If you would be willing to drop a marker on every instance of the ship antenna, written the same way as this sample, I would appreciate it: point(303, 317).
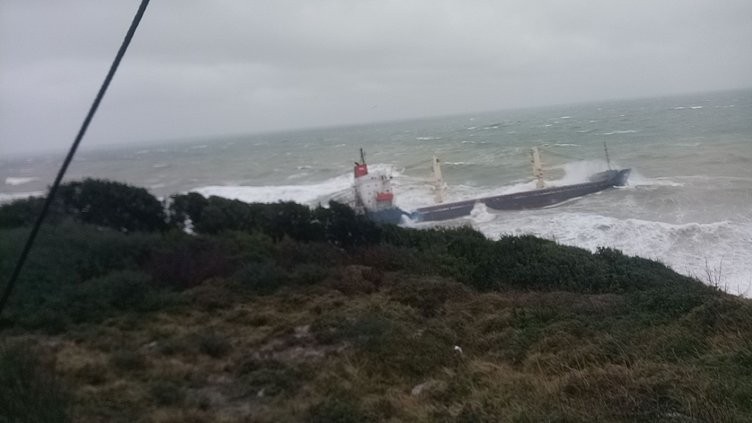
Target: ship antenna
point(537, 167)
point(438, 180)
point(608, 160)
point(362, 156)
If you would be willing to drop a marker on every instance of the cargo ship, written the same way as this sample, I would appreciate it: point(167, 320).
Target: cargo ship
point(375, 198)
point(373, 194)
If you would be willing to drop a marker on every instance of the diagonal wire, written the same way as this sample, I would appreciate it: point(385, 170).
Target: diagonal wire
point(71, 153)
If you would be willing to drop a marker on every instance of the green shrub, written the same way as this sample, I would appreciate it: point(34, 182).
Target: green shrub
point(261, 278)
point(344, 228)
point(186, 206)
point(112, 204)
point(29, 390)
point(309, 274)
point(23, 212)
point(103, 297)
point(64, 260)
point(185, 261)
point(289, 253)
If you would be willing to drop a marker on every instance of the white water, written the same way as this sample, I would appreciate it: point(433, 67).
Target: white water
point(19, 180)
point(7, 198)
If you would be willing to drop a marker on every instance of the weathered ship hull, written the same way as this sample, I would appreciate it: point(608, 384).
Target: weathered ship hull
point(391, 215)
point(524, 200)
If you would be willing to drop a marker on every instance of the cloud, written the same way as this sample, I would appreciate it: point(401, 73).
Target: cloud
point(200, 68)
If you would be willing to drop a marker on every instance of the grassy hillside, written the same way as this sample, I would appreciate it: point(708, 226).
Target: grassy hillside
point(282, 313)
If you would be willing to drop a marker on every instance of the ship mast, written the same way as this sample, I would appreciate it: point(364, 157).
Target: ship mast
point(537, 168)
point(608, 160)
point(438, 180)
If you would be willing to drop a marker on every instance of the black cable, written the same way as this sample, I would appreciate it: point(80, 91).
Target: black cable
point(71, 153)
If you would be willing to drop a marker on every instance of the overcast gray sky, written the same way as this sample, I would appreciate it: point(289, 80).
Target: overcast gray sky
point(199, 68)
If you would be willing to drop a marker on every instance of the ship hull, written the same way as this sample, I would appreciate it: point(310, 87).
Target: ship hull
point(524, 200)
point(391, 215)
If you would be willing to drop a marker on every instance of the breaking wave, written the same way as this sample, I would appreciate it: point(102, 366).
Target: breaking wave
point(692, 249)
point(626, 131)
point(19, 180)
point(8, 197)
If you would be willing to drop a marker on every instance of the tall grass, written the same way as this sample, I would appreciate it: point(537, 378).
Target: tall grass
point(29, 389)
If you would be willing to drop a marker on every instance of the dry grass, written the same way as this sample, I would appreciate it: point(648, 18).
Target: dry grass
point(526, 356)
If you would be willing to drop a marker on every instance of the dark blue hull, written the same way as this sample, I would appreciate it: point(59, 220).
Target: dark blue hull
point(524, 200)
point(392, 216)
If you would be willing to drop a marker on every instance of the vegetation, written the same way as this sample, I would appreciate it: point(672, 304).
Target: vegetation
point(279, 312)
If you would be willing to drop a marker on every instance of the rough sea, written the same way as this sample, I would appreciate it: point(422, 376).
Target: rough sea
point(688, 203)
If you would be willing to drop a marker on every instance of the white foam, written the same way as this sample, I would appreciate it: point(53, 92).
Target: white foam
point(427, 138)
point(579, 171)
point(636, 179)
point(19, 180)
point(306, 194)
point(687, 144)
point(297, 175)
point(480, 214)
point(8, 197)
point(626, 131)
point(310, 194)
point(722, 247)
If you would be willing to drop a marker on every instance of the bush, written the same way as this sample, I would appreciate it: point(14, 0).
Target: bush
point(22, 212)
point(186, 206)
point(344, 228)
point(112, 204)
point(55, 283)
point(29, 390)
point(99, 298)
point(337, 224)
point(309, 274)
point(185, 261)
point(261, 278)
